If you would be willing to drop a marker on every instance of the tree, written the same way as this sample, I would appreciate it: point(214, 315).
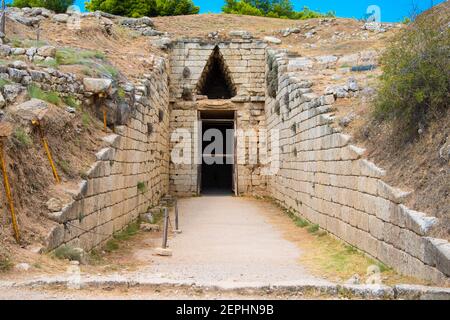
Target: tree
point(269, 8)
point(59, 6)
point(139, 8)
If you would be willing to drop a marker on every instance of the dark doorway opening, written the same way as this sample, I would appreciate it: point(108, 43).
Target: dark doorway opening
point(217, 163)
point(215, 81)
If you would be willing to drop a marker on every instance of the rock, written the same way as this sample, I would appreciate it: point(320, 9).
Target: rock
point(11, 91)
point(327, 61)
point(352, 84)
point(22, 267)
point(54, 205)
point(47, 51)
point(61, 18)
point(355, 279)
point(374, 27)
point(240, 34)
point(31, 52)
point(327, 99)
point(147, 218)
point(300, 64)
point(444, 151)
point(151, 33)
point(5, 50)
point(35, 12)
point(18, 51)
point(16, 75)
point(2, 101)
point(345, 121)
point(97, 85)
point(134, 22)
point(18, 64)
point(147, 227)
point(71, 110)
point(29, 22)
point(272, 40)
point(162, 43)
point(163, 252)
point(31, 109)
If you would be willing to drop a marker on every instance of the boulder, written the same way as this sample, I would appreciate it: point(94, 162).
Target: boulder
point(352, 84)
point(30, 110)
point(272, 40)
point(61, 18)
point(147, 227)
point(22, 267)
point(135, 22)
point(11, 91)
point(47, 51)
point(162, 43)
point(2, 101)
point(97, 85)
point(240, 34)
point(54, 205)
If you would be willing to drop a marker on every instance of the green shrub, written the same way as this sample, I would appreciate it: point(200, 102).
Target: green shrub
point(271, 8)
point(37, 93)
point(141, 187)
point(313, 228)
point(140, 8)
point(415, 84)
point(68, 252)
point(5, 262)
point(22, 137)
point(59, 6)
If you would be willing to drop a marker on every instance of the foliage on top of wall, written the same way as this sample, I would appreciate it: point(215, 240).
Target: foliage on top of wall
point(59, 6)
point(140, 8)
point(271, 8)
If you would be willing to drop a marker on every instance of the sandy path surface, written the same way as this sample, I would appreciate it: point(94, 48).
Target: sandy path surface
point(227, 240)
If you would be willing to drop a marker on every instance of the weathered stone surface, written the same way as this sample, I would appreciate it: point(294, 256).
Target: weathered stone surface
point(54, 205)
point(97, 85)
point(61, 18)
point(29, 110)
point(272, 40)
point(241, 34)
point(47, 51)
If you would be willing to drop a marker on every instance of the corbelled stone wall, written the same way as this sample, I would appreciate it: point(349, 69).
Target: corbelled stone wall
point(324, 178)
point(183, 176)
point(131, 174)
point(244, 59)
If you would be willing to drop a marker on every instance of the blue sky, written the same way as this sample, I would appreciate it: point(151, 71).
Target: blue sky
point(391, 10)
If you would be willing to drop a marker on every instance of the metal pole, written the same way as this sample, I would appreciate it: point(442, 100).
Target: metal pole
point(8, 194)
point(166, 227)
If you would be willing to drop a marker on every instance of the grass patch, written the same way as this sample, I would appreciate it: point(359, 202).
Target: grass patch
point(3, 83)
point(48, 64)
point(313, 228)
point(111, 245)
point(86, 119)
point(37, 93)
point(114, 244)
point(68, 252)
point(69, 56)
point(65, 167)
point(131, 230)
point(95, 62)
point(72, 102)
point(5, 263)
point(22, 138)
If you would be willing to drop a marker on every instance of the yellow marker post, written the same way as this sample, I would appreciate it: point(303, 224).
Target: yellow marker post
point(105, 124)
point(47, 150)
point(5, 130)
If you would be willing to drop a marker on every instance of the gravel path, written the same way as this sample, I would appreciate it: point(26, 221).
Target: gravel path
point(227, 240)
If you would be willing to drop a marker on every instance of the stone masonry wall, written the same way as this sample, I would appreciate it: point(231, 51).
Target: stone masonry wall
point(250, 116)
point(129, 176)
point(324, 178)
point(244, 59)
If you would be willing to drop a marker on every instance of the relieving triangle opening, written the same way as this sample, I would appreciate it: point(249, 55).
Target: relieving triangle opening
point(215, 81)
